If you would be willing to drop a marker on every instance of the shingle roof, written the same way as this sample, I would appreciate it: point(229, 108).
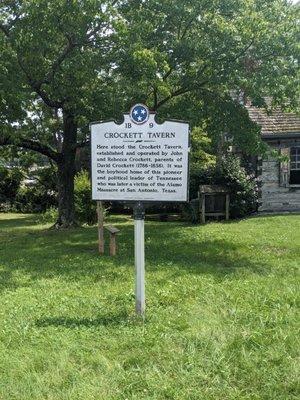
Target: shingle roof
point(278, 123)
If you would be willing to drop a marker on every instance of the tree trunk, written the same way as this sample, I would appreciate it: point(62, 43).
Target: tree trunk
point(65, 175)
point(220, 151)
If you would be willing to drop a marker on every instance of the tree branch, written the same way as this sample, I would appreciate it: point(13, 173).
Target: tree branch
point(168, 73)
point(188, 26)
point(37, 87)
point(30, 144)
point(172, 95)
point(240, 54)
point(61, 57)
point(186, 90)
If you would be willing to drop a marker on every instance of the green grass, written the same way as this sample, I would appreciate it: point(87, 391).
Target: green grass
point(221, 321)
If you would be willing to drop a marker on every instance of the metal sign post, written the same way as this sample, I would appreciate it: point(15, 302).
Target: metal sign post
point(100, 214)
point(139, 257)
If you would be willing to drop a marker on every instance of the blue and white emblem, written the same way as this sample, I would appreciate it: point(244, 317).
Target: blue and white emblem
point(139, 114)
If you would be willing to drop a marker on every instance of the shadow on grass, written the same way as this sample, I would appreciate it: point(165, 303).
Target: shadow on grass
point(119, 219)
point(18, 221)
point(174, 248)
point(67, 322)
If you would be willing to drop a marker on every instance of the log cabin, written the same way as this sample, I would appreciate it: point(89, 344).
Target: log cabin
point(280, 177)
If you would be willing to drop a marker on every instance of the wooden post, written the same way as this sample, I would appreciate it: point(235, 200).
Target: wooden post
point(100, 214)
point(202, 209)
point(227, 206)
point(112, 245)
point(112, 239)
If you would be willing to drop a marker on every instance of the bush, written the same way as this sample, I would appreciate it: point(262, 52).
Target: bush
point(202, 162)
point(10, 180)
point(243, 186)
point(85, 207)
point(49, 216)
point(32, 199)
point(190, 211)
point(35, 196)
point(200, 175)
point(230, 173)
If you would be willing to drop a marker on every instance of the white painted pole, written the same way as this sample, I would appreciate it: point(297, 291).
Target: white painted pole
point(139, 257)
point(100, 214)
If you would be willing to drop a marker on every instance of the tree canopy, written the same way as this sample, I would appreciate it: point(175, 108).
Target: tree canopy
point(66, 63)
point(176, 47)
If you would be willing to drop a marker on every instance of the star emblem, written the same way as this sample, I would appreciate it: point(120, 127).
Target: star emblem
point(139, 114)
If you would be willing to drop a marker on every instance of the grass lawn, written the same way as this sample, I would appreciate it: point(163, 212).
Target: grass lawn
point(221, 319)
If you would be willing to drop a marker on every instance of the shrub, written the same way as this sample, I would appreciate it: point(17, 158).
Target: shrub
point(202, 162)
point(49, 216)
point(190, 211)
point(36, 198)
point(36, 195)
point(200, 175)
point(85, 207)
point(243, 186)
point(10, 180)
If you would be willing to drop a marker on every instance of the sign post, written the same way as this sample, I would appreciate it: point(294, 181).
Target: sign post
point(100, 215)
point(139, 257)
point(139, 161)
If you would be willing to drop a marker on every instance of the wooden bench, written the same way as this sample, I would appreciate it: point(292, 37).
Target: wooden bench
point(113, 231)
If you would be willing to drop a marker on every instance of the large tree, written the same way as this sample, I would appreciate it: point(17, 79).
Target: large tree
point(53, 76)
point(68, 62)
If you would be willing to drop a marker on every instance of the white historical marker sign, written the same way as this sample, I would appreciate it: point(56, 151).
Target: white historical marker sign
point(137, 161)
point(140, 160)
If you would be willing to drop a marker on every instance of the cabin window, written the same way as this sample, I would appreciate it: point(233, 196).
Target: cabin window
point(295, 166)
